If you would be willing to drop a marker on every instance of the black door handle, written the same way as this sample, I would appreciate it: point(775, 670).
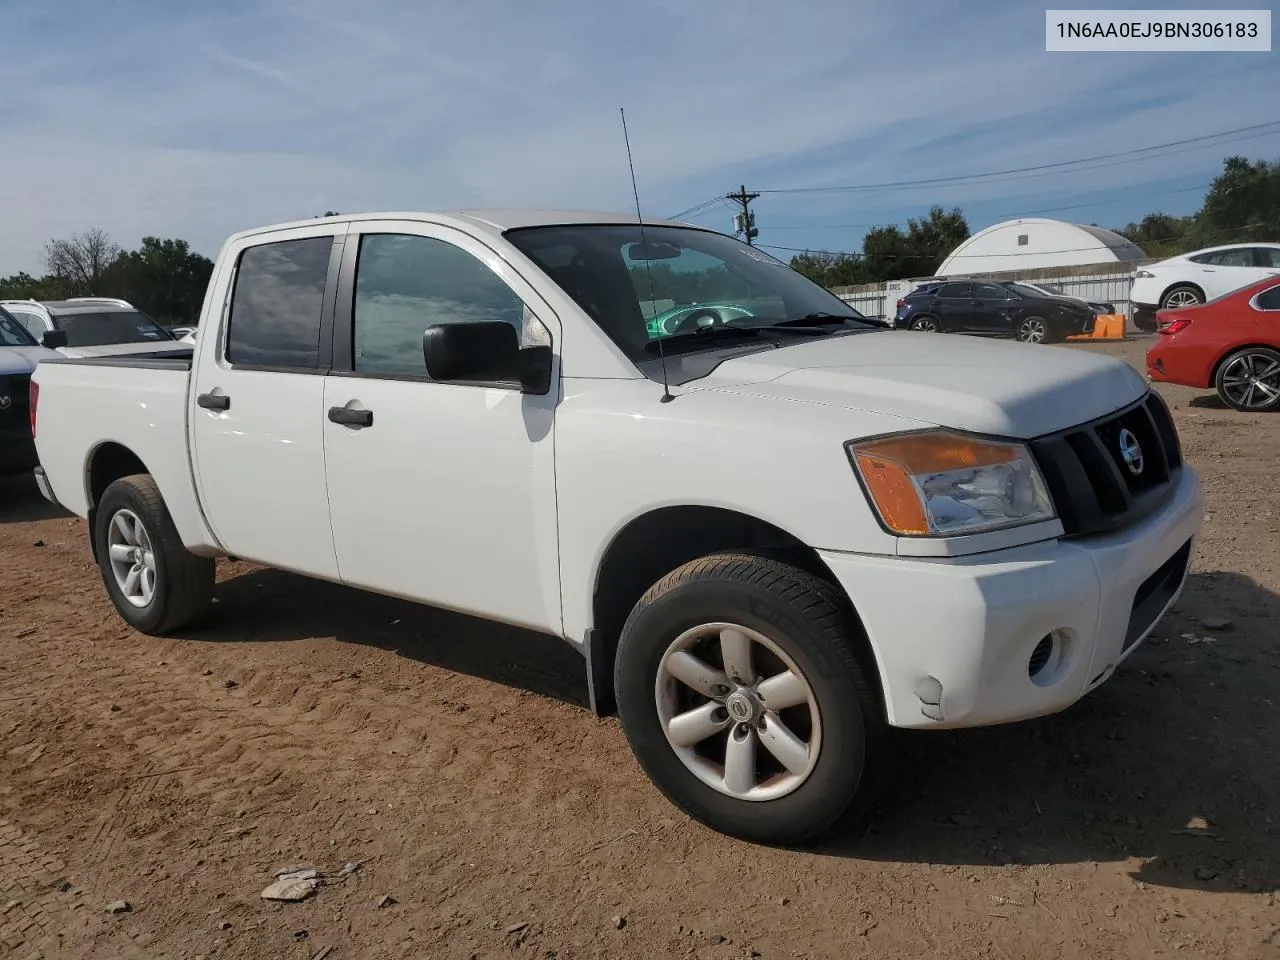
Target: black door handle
point(213, 401)
point(351, 418)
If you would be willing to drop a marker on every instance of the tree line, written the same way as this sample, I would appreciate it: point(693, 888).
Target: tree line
point(1241, 205)
point(165, 279)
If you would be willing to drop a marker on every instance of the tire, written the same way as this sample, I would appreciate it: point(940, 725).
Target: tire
point(1035, 330)
point(181, 583)
point(1145, 321)
point(1181, 295)
point(810, 623)
point(1236, 384)
point(926, 325)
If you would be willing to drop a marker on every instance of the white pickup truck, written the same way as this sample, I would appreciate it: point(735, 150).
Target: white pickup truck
point(773, 527)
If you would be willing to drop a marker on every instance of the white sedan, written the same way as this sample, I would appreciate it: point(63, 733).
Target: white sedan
point(1202, 275)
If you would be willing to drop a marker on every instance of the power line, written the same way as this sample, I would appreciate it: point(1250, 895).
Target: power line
point(995, 216)
point(696, 207)
point(933, 181)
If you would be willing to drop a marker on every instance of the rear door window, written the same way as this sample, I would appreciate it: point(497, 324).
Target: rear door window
point(276, 306)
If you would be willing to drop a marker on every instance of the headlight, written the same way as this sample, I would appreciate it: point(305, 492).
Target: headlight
point(944, 484)
point(1144, 275)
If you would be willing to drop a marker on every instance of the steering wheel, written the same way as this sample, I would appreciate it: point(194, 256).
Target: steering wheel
point(691, 320)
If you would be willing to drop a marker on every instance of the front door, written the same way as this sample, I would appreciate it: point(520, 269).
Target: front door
point(442, 493)
point(257, 405)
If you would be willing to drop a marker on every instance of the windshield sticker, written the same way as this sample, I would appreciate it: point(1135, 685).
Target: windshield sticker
point(761, 257)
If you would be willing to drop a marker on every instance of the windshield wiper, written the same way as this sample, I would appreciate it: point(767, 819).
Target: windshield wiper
point(834, 319)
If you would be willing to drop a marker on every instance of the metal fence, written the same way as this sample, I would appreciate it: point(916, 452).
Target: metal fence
point(1107, 283)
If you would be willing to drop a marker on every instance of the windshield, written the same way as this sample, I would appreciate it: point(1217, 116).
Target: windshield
point(110, 326)
point(679, 281)
point(12, 333)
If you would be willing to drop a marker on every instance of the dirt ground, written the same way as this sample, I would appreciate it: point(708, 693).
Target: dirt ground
point(456, 764)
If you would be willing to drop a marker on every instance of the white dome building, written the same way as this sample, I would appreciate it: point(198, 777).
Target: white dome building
point(1034, 244)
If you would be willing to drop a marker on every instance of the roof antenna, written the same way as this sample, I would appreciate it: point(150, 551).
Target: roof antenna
point(662, 357)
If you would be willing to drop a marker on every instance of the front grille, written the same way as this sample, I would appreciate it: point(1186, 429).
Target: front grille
point(14, 400)
point(1095, 488)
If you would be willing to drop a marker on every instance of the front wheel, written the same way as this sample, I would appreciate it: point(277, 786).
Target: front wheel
point(743, 697)
point(155, 583)
point(1249, 379)
point(1035, 330)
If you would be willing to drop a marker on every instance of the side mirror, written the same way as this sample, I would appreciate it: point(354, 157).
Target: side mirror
point(53, 339)
point(486, 351)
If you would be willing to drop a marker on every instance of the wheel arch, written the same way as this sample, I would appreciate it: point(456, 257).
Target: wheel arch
point(654, 543)
point(106, 463)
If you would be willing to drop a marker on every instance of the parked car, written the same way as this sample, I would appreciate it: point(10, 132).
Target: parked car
point(771, 539)
point(91, 326)
point(992, 309)
point(1099, 307)
point(1231, 345)
point(19, 354)
point(1200, 276)
point(179, 332)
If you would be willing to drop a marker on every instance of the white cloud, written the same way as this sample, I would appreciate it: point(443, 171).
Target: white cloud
point(147, 118)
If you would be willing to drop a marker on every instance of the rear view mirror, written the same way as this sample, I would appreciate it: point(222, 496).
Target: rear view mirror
point(487, 351)
point(655, 250)
point(53, 339)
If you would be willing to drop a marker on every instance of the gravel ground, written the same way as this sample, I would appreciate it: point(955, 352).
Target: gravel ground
point(492, 816)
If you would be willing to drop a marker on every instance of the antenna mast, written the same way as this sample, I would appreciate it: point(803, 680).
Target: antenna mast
point(662, 357)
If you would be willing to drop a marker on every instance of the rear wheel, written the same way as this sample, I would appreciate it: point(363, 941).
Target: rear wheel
point(1249, 379)
point(744, 700)
point(155, 583)
point(1181, 295)
point(926, 325)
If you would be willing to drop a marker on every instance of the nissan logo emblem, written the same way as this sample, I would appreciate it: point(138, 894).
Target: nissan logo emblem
point(1131, 451)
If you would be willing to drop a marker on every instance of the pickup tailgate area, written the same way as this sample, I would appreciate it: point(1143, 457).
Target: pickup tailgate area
point(93, 415)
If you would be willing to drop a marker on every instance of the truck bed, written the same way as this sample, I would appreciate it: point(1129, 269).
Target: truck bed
point(177, 359)
point(129, 405)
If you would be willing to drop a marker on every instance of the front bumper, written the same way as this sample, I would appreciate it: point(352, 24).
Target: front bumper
point(954, 638)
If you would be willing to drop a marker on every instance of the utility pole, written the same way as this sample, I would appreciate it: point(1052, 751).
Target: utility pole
point(744, 222)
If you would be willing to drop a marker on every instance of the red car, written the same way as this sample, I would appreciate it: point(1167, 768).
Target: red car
point(1231, 344)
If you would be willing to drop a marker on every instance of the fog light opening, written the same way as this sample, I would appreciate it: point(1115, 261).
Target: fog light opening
point(1048, 660)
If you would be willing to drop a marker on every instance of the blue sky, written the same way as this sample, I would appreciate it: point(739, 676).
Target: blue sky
point(196, 120)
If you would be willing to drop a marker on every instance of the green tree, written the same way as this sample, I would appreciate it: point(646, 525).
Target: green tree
point(163, 278)
point(1242, 204)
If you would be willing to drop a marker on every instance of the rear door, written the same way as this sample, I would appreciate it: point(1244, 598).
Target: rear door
point(955, 307)
point(992, 309)
point(256, 415)
point(1228, 270)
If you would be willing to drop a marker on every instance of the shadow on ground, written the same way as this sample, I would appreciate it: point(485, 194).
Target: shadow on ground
point(20, 501)
point(1172, 763)
point(271, 606)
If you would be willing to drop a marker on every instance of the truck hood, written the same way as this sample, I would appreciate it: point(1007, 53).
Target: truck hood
point(123, 349)
point(996, 387)
point(20, 360)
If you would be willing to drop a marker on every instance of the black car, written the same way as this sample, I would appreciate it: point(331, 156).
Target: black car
point(993, 309)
